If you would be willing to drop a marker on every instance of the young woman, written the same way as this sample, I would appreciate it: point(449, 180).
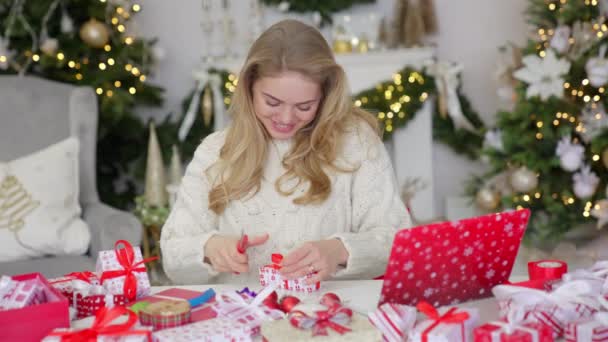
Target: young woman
point(300, 170)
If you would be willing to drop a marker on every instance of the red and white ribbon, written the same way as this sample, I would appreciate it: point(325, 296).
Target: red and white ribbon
point(336, 318)
point(393, 320)
point(570, 301)
point(233, 306)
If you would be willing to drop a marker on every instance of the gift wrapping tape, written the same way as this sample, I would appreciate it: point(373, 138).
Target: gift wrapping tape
point(547, 269)
point(165, 314)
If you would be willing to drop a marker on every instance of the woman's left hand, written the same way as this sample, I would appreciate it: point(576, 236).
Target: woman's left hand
point(320, 257)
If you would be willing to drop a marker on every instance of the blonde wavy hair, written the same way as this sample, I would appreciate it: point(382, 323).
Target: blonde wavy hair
point(294, 46)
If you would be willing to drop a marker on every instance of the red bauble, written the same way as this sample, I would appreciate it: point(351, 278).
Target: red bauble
point(288, 303)
point(330, 299)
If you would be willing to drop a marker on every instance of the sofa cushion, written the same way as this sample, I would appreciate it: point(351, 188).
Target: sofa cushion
point(39, 208)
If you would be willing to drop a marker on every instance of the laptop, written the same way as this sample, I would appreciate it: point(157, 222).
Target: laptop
point(452, 262)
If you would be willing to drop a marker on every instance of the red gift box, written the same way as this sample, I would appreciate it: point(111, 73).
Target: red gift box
point(64, 284)
point(503, 332)
point(33, 322)
point(89, 304)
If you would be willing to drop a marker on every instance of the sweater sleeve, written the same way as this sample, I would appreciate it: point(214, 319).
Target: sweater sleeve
point(377, 214)
point(191, 223)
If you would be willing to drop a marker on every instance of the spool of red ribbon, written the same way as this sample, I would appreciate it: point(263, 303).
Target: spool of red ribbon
point(547, 269)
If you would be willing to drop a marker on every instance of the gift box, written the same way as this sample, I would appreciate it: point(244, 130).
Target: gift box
point(214, 330)
point(591, 329)
point(33, 322)
point(570, 302)
point(64, 284)
point(123, 271)
point(393, 320)
point(504, 332)
point(105, 328)
point(243, 307)
point(200, 313)
point(270, 274)
point(88, 298)
point(449, 325)
point(19, 294)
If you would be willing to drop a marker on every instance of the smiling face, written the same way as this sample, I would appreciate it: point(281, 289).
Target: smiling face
point(286, 103)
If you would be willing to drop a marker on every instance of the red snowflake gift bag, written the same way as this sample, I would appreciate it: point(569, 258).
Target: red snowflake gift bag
point(450, 262)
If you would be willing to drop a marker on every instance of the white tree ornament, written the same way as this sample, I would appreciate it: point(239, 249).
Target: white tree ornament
point(597, 68)
point(585, 182)
point(593, 121)
point(543, 75)
point(570, 154)
point(493, 139)
point(560, 42)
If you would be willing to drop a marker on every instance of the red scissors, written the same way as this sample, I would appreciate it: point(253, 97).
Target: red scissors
point(242, 245)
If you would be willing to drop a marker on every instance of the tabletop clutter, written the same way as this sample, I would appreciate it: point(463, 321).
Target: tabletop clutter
point(554, 304)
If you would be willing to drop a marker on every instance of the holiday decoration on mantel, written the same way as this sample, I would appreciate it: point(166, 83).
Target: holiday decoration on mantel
point(412, 22)
point(89, 45)
point(554, 139)
point(324, 9)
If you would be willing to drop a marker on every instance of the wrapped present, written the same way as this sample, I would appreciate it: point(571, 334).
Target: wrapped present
point(33, 322)
point(248, 310)
point(514, 330)
point(19, 294)
point(105, 329)
point(591, 329)
point(393, 320)
point(64, 284)
point(87, 299)
point(451, 325)
point(328, 320)
point(270, 274)
point(569, 302)
point(123, 271)
point(214, 330)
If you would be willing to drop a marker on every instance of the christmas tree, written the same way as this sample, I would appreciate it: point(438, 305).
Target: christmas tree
point(550, 152)
point(89, 43)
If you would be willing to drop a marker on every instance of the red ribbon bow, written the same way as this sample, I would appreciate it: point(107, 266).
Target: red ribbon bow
point(126, 258)
point(451, 316)
point(102, 326)
point(335, 318)
point(85, 276)
point(276, 259)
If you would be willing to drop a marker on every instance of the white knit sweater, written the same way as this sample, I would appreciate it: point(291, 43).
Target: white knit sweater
point(364, 211)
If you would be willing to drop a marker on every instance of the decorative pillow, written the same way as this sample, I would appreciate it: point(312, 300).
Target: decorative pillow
point(39, 209)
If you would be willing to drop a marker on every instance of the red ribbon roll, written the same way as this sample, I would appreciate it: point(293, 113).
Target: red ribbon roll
point(547, 269)
point(102, 326)
point(126, 258)
point(451, 316)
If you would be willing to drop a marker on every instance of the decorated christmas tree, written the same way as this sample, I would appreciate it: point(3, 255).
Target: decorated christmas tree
point(91, 43)
point(550, 152)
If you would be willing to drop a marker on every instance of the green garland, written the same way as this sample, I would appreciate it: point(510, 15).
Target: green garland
point(396, 102)
point(326, 8)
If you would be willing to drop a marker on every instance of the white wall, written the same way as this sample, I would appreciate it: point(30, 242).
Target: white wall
point(470, 32)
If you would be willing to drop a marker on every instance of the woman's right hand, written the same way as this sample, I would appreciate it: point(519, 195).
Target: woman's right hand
point(222, 255)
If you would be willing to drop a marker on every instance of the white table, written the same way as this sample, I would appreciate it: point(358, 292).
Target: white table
point(360, 295)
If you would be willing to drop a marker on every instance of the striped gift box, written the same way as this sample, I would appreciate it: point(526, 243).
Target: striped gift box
point(393, 320)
